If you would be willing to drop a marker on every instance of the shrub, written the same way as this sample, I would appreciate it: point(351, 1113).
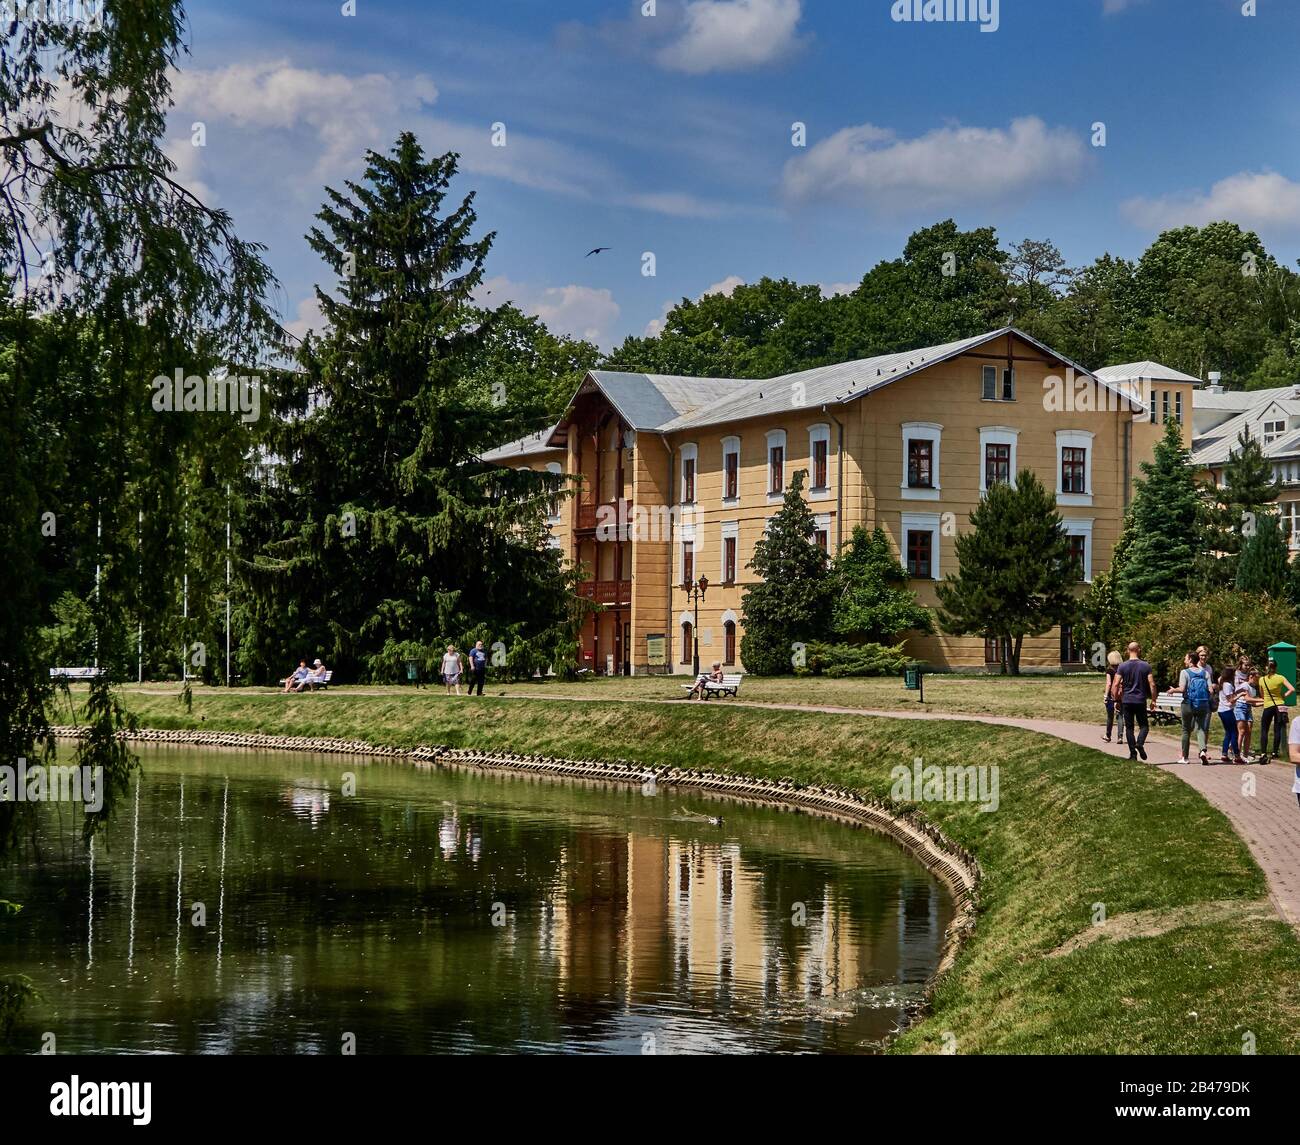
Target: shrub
point(1228, 623)
point(836, 660)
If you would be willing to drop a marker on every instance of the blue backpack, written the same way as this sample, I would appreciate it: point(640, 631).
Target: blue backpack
point(1198, 689)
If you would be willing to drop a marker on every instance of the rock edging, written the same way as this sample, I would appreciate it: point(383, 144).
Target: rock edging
point(954, 865)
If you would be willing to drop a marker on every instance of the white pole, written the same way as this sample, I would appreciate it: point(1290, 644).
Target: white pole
point(139, 568)
point(227, 585)
point(99, 548)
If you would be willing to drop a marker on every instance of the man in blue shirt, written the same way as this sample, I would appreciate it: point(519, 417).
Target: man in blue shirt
point(477, 667)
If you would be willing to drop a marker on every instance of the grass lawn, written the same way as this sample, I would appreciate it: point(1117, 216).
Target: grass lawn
point(1074, 829)
point(1043, 697)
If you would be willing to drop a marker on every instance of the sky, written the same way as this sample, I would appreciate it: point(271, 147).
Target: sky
point(670, 128)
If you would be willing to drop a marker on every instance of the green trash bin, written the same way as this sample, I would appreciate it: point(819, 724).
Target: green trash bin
point(911, 679)
point(413, 672)
point(1285, 655)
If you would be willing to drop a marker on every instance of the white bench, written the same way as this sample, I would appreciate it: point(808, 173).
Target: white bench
point(729, 685)
point(76, 673)
point(321, 684)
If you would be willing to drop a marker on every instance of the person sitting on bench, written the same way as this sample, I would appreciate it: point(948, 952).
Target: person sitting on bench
point(299, 675)
point(314, 679)
point(715, 677)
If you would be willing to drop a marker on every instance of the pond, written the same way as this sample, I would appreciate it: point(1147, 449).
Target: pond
point(246, 902)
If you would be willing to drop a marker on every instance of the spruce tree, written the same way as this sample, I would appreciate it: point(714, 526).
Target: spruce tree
point(1263, 566)
point(391, 538)
point(1248, 487)
point(1161, 547)
point(792, 602)
point(1016, 575)
point(872, 601)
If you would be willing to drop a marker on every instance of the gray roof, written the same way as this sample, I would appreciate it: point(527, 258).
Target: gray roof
point(845, 381)
point(649, 401)
point(531, 444)
point(1144, 371)
point(1214, 447)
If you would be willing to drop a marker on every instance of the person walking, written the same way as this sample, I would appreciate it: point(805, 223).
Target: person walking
point(477, 667)
point(1274, 688)
point(1135, 689)
point(451, 667)
point(1114, 716)
point(1228, 717)
point(1293, 744)
point(1194, 685)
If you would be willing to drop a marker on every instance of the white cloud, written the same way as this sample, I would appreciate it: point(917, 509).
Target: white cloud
point(1262, 200)
point(731, 35)
point(188, 173)
point(308, 317)
point(945, 167)
point(579, 311)
point(1110, 7)
point(830, 289)
point(726, 287)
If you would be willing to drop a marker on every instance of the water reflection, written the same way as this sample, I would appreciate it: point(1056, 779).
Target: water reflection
point(452, 911)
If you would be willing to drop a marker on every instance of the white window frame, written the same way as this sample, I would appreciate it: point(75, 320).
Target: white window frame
point(822, 523)
point(999, 435)
point(557, 470)
point(687, 535)
point(999, 377)
point(1268, 436)
point(689, 452)
point(1178, 406)
point(1289, 518)
point(922, 523)
point(687, 619)
point(729, 615)
point(819, 432)
point(1075, 439)
point(777, 437)
point(922, 431)
point(730, 445)
point(1081, 527)
point(730, 532)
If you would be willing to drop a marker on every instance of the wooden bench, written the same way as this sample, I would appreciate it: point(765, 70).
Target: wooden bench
point(76, 673)
point(321, 684)
point(728, 686)
point(1169, 708)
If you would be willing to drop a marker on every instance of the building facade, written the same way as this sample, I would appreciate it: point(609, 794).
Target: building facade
point(676, 478)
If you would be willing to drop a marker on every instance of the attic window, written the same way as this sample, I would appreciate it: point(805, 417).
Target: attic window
point(999, 385)
point(1273, 430)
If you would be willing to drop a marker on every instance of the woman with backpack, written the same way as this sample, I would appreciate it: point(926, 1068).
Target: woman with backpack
point(1194, 683)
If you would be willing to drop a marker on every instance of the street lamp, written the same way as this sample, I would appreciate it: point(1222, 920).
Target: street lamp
point(695, 592)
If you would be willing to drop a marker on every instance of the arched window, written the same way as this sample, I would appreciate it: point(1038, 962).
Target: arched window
point(687, 643)
point(729, 642)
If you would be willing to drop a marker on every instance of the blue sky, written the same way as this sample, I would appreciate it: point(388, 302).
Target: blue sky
point(672, 133)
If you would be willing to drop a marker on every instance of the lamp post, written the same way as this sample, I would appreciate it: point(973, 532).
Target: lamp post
point(695, 593)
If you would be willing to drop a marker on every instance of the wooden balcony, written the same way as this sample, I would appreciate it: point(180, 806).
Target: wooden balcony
point(612, 592)
point(590, 514)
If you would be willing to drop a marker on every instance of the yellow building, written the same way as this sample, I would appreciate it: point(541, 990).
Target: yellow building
point(677, 477)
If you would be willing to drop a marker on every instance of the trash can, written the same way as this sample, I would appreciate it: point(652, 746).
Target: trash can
point(413, 672)
point(1285, 655)
point(912, 678)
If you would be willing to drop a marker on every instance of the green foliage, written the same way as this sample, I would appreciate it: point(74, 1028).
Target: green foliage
point(1232, 510)
point(1229, 623)
point(1163, 528)
point(1017, 576)
point(867, 659)
point(381, 529)
point(872, 600)
point(793, 600)
point(1263, 566)
point(1101, 620)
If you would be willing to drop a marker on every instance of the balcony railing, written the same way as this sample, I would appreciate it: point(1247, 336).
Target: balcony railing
point(618, 592)
point(590, 515)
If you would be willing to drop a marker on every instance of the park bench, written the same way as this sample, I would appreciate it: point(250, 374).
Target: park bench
point(1169, 708)
point(321, 684)
point(729, 685)
point(76, 673)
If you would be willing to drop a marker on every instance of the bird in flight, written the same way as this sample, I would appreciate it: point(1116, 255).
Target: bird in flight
point(595, 250)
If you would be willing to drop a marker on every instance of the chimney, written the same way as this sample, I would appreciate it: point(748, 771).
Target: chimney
point(1216, 382)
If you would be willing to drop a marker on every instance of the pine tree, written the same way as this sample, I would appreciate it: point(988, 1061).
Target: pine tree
point(392, 539)
point(793, 601)
point(1248, 487)
point(1016, 573)
point(872, 601)
point(1161, 548)
point(1263, 564)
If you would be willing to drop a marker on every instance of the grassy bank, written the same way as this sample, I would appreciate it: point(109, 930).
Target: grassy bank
point(1074, 829)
